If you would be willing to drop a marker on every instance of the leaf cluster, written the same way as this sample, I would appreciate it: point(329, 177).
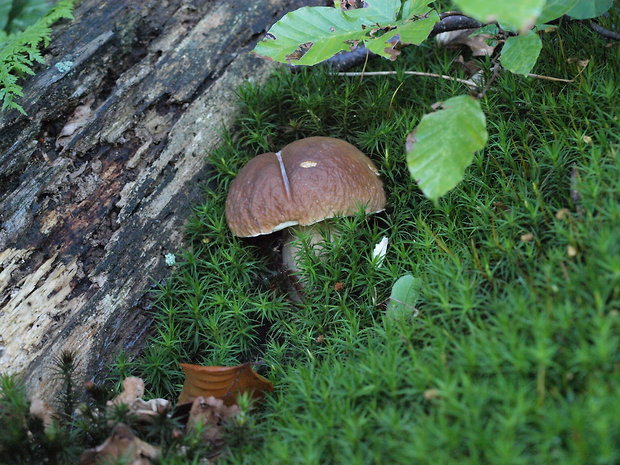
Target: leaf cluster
point(310, 35)
point(20, 49)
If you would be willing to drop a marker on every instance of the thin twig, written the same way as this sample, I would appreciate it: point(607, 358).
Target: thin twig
point(467, 82)
point(364, 67)
point(604, 32)
point(412, 73)
point(549, 78)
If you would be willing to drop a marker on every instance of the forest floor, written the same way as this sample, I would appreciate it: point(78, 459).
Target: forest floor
point(512, 352)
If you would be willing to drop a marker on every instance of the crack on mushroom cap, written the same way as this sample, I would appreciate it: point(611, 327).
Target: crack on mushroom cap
point(287, 186)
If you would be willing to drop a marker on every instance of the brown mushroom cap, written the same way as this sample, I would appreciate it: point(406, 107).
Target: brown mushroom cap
point(317, 178)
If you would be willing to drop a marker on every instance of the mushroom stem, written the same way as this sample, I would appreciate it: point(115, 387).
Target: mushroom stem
point(293, 250)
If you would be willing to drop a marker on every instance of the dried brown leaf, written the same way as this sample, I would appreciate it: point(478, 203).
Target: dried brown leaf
point(222, 382)
point(477, 44)
point(122, 445)
point(208, 415)
point(133, 390)
point(145, 409)
point(410, 141)
point(471, 67)
point(80, 117)
point(42, 410)
point(580, 63)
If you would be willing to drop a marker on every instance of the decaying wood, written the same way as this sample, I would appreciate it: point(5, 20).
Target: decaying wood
point(96, 182)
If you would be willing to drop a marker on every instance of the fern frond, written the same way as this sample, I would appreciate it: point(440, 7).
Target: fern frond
point(19, 51)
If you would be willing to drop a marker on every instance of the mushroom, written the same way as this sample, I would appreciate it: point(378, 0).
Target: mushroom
point(306, 182)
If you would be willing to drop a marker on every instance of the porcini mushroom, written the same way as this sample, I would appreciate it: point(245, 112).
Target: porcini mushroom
point(306, 182)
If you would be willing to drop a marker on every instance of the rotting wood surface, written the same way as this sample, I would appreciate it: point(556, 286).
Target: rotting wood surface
point(97, 181)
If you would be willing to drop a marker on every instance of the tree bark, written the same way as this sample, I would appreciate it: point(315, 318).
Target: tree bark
point(97, 181)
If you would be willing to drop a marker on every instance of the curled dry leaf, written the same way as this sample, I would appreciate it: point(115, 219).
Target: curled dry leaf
point(77, 121)
point(222, 382)
point(477, 44)
point(145, 409)
point(410, 141)
point(133, 390)
point(436, 106)
point(208, 415)
point(123, 446)
point(41, 410)
point(580, 63)
point(474, 70)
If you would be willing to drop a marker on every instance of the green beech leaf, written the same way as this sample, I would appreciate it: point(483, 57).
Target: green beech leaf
point(520, 53)
point(445, 142)
point(414, 7)
point(489, 29)
point(405, 295)
point(585, 9)
point(379, 11)
point(310, 35)
point(554, 9)
point(520, 14)
point(409, 32)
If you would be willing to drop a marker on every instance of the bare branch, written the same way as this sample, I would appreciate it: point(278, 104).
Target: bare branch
point(549, 78)
point(604, 32)
point(411, 73)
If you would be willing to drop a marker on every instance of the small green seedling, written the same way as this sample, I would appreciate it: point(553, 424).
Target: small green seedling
point(404, 297)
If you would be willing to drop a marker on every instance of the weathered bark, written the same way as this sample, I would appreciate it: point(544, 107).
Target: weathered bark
point(138, 92)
